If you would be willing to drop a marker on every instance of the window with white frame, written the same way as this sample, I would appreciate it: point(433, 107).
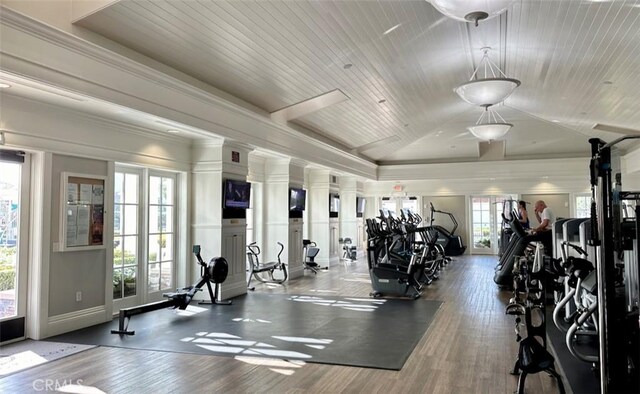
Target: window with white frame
point(583, 206)
point(161, 240)
point(126, 235)
point(388, 204)
point(144, 238)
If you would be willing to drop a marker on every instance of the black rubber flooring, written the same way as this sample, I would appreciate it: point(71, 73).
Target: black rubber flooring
point(360, 332)
point(579, 375)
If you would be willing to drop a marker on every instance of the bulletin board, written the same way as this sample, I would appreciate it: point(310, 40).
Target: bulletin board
point(82, 212)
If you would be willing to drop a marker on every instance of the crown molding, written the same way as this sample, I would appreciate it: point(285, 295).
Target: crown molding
point(514, 169)
point(288, 142)
point(100, 121)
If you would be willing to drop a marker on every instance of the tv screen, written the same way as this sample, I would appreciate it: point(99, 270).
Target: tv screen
point(236, 194)
point(297, 199)
point(334, 202)
point(360, 204)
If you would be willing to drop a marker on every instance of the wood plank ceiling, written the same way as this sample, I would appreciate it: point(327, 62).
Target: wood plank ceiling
point(577, 61)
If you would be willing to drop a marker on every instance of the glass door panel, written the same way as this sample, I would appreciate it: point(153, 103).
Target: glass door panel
point(126, 238)
point(14, 242)
point(9, 238)
point(161, 259)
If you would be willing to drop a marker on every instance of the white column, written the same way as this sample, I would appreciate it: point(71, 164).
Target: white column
point(318, 215)
point(348, 219)
point(214, 161)
point(276, 208)
point(296, 225)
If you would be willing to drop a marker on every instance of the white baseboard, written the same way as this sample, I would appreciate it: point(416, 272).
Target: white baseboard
point(296, 272)
point(66, 322)
point(230, 290)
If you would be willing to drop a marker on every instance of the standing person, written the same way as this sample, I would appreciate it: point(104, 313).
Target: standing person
point(543, 232)
point(523, 215)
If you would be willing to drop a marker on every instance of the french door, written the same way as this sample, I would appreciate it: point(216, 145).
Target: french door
point(161, 236)
point(486, 222)
point(129, 245)
point(14, 237)
point(144, 241)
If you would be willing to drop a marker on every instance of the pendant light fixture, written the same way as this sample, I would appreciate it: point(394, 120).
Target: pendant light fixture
point(491, 126)
point(490, 88)
point(471, 10)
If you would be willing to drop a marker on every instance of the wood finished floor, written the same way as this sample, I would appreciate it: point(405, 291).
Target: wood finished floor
point(469, 348)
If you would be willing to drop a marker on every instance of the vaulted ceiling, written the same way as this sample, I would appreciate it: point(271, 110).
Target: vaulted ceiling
point(398, 63)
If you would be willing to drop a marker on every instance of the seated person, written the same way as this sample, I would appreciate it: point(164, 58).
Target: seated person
point(543, 232)
point(523, 215)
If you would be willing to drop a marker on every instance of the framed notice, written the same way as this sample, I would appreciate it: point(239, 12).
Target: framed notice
point(82, 212)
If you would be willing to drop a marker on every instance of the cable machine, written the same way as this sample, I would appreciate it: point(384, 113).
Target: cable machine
point(617, 259)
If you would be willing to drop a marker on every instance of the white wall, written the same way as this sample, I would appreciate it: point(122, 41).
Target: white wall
point(63, 140)
point(83, 271)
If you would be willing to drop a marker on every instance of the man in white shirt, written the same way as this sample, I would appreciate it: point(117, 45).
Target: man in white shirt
point(543, 232)
point(545, 217)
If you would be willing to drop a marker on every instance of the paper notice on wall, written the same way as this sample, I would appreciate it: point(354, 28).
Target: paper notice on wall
point(86, 193)
point(72, 239)
point(83, 215)
point(98, 195)
point(72, 193)
point(82, 236)
point(72, 215)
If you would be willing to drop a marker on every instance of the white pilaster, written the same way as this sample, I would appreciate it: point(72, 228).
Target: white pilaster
point(318, 205)
point(213, 161)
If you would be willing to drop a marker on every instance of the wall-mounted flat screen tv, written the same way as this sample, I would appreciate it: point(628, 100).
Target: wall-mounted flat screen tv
point(236, 194)
point(334, 202)
point(297, 199)
point(360, 204)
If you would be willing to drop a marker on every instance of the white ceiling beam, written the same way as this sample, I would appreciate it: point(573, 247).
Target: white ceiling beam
point(493, 150)
point(376, 144)
point(83, 8)
point(308, 106)
point(615, 129)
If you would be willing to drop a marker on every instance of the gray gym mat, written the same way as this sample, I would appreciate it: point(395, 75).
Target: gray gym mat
point(362, 332)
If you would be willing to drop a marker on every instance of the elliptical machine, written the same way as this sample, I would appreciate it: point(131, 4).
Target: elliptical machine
point(452, 244)
point(387, 277)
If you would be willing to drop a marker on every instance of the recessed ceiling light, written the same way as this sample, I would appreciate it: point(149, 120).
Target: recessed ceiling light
point(391, 29)
point(382, 101)
point(555, 121)
point(173, 131)
point(347, 66)
point(4, 85)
